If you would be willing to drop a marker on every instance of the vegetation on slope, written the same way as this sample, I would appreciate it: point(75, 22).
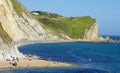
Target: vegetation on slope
point(4, 35)
point(74, 27)
point(46, 14)
point(18, 7)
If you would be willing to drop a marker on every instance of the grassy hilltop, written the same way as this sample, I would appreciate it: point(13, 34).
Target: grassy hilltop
point(73, 27)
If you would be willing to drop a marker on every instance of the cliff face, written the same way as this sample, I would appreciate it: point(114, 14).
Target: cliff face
point(24, 25)
point(18, 27)
point(91, 34)
point(8, 50)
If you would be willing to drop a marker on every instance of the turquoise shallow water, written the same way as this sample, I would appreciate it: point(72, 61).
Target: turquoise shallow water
point(89, 57)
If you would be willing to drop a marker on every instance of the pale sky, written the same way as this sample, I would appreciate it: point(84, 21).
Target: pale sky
point(106, 12)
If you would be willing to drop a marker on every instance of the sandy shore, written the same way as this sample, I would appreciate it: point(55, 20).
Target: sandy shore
point(33, 64)
point(22, 43)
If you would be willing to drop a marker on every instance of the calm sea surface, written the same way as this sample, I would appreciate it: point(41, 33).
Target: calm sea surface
point(89, 57)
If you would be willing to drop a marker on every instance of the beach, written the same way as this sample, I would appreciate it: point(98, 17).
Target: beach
point(34, 63)
point(26, 42)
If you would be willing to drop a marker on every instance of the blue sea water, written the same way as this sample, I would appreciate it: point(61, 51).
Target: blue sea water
point(112, 37)
point(89, 57)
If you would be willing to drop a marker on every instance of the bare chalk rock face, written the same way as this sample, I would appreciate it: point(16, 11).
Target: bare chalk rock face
point(19, 27)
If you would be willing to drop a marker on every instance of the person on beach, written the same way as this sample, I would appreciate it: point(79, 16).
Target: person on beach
point(17, 59)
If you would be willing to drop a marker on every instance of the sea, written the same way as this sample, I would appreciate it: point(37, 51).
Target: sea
point(89, 57)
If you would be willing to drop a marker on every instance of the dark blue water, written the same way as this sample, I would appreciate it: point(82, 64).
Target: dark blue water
point(55, 70)
point(112, 37)
point(89, 57)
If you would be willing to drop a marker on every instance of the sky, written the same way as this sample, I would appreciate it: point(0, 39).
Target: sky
point(106, 12)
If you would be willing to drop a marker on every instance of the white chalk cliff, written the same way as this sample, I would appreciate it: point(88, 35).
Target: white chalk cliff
point(91, 34)
point(25, 27)
point(19, 28)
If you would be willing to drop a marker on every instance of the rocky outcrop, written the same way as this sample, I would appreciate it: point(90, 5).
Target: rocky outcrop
point(8, 50)
point(91, 34)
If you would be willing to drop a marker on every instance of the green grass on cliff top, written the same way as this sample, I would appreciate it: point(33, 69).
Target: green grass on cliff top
point(74, 27)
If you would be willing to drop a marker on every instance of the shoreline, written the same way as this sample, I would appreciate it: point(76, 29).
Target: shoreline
point(22, 43)
point(35, 63)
